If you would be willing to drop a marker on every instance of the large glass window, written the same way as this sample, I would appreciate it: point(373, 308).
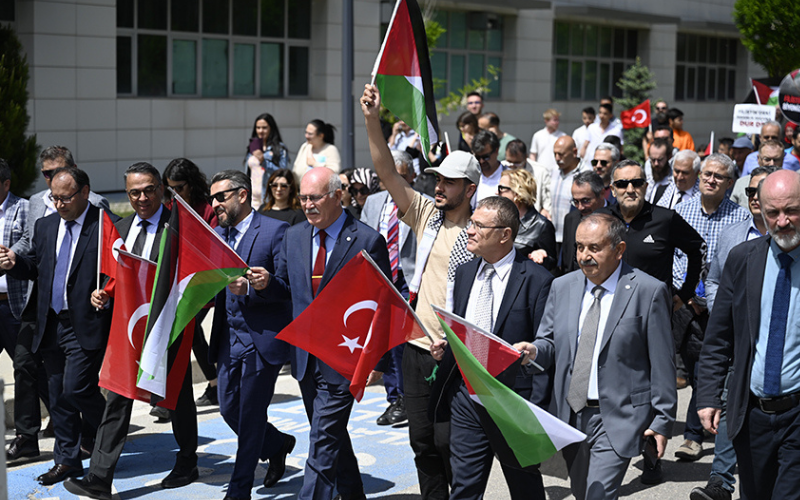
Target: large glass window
point(213, 48)
point(588, 60)
point(706, 68)
point(471, 48)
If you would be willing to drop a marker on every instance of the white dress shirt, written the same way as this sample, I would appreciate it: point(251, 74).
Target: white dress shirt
point(136, 228)
point(499, 281)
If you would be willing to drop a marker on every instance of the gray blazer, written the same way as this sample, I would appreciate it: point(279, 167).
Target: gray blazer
point(635, 368)
point(733, 235)
point(371, 216)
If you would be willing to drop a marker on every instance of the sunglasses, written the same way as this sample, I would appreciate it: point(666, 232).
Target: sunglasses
point(484, 157)
point(750, 192)
point(220, 196)
point(361, 190)
point(502, 189)
point(48, 174)
point(280, 185)
point(601, 162)
point(623, 183)
point(660, 109)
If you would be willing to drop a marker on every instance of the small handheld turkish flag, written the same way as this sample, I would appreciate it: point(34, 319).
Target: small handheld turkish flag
point(637, 116)
point(350, 328)
point(111, 243)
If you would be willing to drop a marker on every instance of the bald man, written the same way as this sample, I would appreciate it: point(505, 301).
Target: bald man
point(566, 155)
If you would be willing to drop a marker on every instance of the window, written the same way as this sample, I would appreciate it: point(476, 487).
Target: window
point(7, 10)
point(471, 44)
point(706, 68)
point(589, 60)
point(213, 48)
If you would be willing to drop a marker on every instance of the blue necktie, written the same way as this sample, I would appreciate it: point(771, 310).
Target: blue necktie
point(62, 268)
point(232, 232)
point(773, 360)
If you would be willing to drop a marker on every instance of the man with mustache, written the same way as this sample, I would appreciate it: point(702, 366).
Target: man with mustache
point(751, 329)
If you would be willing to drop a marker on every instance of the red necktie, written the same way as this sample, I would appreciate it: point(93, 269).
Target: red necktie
point(319, 264)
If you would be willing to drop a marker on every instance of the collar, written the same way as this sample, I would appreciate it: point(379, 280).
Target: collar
point(774, 250)
point(495, 176)
point(153, 219)
point(502, 267)
point(244, 225)
point(334, 229)
point(610, 284)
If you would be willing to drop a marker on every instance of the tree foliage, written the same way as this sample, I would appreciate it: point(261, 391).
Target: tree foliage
point(636, 83)
point(18, 150)
point(769, 31)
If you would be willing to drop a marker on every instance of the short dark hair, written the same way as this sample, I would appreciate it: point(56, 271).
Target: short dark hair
point(237, 179)
point(759, 170)
point(143, 167)
point(607, 107)
point(616, 229)
point(627, 163)
point(517, 146)
point(726, 141)
point(662, 143)
point(667, 128)
point(80, 177)
point(485, 138)
point(589, 111)
point(53, 153)
point(494, 120)
point(474, 93)
point(594, 181)
point(674, 113)
point(185, 170)
point(507, 212)
point(5, 170)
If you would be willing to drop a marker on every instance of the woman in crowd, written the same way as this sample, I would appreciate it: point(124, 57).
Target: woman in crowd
point(266, 153)
point(363, 182)
point(186, 179)
point(318, 150)
point(468, 126)
point(537, 236)
point(281, 200)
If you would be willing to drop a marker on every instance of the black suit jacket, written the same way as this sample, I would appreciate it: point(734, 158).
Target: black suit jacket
point(124, 226)
point(517, 320)
point(91, 326)
point(569, 260)
point(732, 332)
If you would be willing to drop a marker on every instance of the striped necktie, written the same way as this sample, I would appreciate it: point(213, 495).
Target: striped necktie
point(393, 240)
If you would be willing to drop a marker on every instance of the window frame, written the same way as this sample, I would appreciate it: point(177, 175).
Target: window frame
point(683, 67)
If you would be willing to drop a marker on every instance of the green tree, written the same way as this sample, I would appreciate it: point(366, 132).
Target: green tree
point(769, 31)
point(636, 83)
point(17, 149)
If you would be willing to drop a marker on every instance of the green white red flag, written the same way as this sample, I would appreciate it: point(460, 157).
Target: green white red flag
point(403, 75)
point(194, 264)
point(530, 434)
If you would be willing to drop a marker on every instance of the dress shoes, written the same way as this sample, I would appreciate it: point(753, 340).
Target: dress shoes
point(277, 463)
point(162, 414)
point(357, 497)
point(58, 473)
point(398, 411)
point(384, 418)
point(209, 397)
point(180, 477)
point(22, 447)
point(90, 486)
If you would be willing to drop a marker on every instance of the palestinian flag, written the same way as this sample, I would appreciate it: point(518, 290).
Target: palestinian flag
point(527, 433)
point(403, 75)
point(194, 264)
point(767, 94)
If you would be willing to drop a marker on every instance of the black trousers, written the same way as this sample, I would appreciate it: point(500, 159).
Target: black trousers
point(200, 347)
point(30, 377)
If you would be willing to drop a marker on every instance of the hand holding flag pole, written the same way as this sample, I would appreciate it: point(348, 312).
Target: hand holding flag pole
point(100, 248)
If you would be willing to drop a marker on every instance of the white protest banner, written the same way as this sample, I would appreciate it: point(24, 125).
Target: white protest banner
point(749, 118)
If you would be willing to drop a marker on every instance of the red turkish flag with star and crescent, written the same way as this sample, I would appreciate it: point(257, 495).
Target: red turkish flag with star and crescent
point(350, 328)
point(637, 116)
point(110, 245)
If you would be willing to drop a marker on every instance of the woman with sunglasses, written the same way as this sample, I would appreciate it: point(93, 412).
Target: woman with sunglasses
point(318, 150)
point(281, 200)
point(266, 153)
point(537, 235)
point(363, 182)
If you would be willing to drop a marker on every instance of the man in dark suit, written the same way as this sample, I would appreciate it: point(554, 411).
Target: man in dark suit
point(141, 232)
point(751, 324)
point(243, 343)
point(320, 248)
point(64, 263)
point(30, 378)
point(503, 292)
point(607, 330)
point(588, 195)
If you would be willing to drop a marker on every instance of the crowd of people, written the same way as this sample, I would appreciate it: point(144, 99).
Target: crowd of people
point(618, 282)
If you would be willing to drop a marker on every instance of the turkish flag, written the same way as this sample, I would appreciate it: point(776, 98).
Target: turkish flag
point(637, 116)
point(350, 328)
point(111, 243)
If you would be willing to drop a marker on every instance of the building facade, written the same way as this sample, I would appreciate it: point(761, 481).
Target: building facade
point(119, 81)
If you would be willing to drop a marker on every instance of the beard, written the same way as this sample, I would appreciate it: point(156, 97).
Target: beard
point(786, 242)
point(450, 204)
point(230, 215)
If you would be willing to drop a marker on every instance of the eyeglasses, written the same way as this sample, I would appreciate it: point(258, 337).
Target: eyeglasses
point(48, 174)
point(149, 191)
point(623, 183)
point(515, 164)
point(484, 157)
point(472, 103)
point(601, 162)
point(65, 200)
point(362, 190)
point(707, 176)
point(313, 198)
point(583, 201)
point(767, 159)
point(661, 108)
point(220, 196)
point(279, 185)
point(482, 227)
point(502, 189)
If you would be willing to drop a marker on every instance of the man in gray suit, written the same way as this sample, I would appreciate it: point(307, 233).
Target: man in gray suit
point(607, 330)
point(381, 214)
point(28, 368)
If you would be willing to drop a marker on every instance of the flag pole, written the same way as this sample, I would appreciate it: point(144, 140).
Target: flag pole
point(447, 142)
point(383, 45)
point(758, 98)
point(99, 248)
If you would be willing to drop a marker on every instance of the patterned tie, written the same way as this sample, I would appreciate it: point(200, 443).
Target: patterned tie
point(62, 268)
point(393, 240)
point(582, 366)
point(141, 238)
point(319, 263)
point(485, 305)
point(773, 360)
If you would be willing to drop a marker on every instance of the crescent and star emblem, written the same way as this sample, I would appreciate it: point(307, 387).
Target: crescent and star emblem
point(636, 116)
point(353, 344)
point(138, 314)
point(115, 248)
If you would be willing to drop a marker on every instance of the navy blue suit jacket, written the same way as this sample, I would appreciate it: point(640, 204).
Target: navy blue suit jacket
point(91, 326)
point(294, 274)
point(260, 315)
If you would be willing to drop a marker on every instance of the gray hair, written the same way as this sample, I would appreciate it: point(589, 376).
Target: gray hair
point(616, 229)
point(594, 181)
point(688, 154)
point(334, 182)
point(722, 160)
point(54, 153)
point(627, 163)
point(773, 123)
point(5, 170)
point(507, 212)
point(607, 146)
point(237, 180)
point(402, 158)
